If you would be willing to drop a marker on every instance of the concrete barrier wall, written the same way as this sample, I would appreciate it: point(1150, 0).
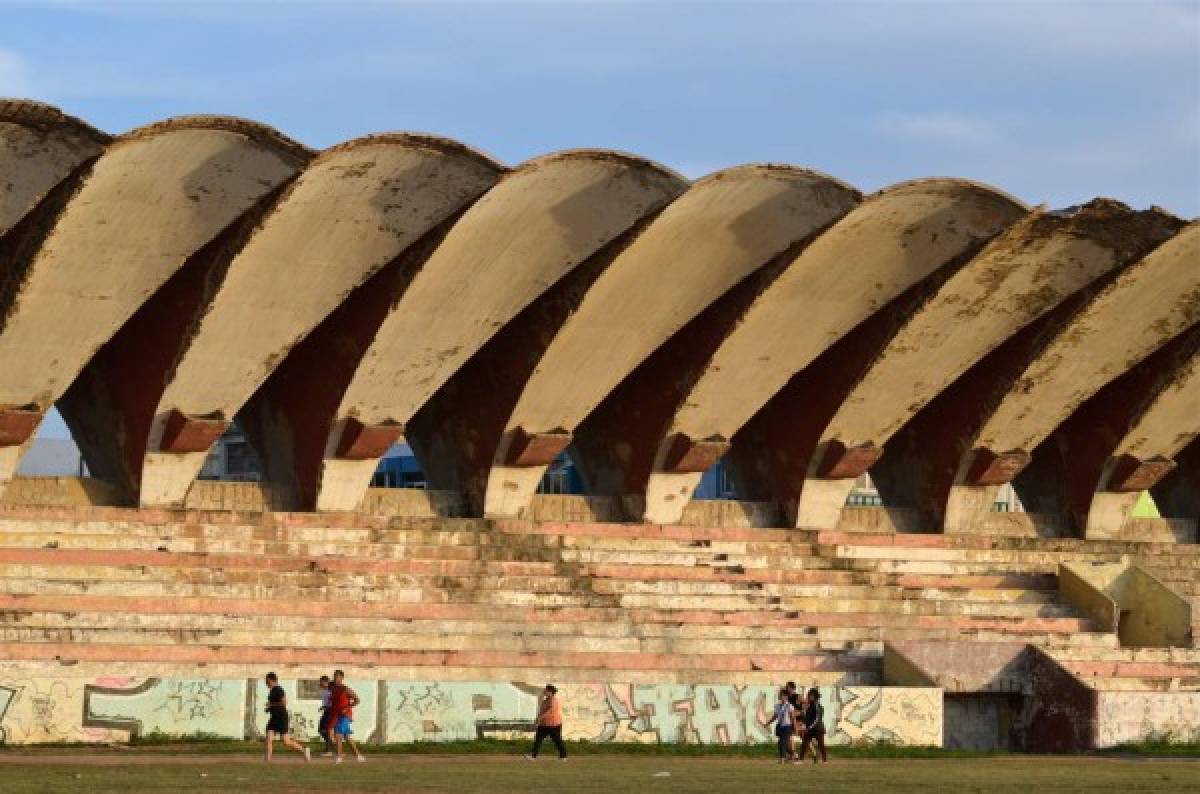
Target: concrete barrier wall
point(1134, 716)
point(40, 710)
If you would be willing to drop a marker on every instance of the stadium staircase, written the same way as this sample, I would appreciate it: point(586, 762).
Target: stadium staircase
point(142, 592)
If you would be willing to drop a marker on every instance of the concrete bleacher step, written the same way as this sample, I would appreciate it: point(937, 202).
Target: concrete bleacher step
point(837, 668)
point(520, 595)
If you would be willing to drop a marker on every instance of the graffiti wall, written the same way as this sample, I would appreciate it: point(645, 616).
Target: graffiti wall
point(113, 709)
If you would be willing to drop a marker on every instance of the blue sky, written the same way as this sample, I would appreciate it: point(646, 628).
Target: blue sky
point(1053, 102)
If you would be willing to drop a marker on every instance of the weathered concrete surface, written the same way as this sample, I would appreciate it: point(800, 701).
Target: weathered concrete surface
point(541, 222)
point(156, 196)
point(1125, 717)
point(1127, 599)
point(40, 146)
point(786, 451)
point(724, 228)
point(117, 708)
point(1144, 308)
point(353, 210)
point(924, 457)
point(1020, 276)
point(1056, 711)
point(862, 263)
point(1120, 443)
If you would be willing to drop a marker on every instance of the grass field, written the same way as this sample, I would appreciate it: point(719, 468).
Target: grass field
point(135, 772)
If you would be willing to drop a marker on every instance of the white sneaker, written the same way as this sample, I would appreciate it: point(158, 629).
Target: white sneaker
point(338, 760)
point(529, 757)
point(360, 758)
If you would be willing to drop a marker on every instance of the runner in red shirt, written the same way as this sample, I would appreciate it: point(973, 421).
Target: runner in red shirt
point(342, 701)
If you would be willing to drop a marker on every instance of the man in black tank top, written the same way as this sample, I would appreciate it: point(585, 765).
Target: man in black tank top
point(278, 721)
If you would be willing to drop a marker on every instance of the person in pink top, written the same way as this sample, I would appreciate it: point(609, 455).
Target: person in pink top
point(549, 723)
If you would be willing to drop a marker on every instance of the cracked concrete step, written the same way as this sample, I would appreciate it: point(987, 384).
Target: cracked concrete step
point(102, 560)
point(524, 614)
point(840, 665)
point(334, 592)
point(798, 636)
point(547, 584)
point(514, 643)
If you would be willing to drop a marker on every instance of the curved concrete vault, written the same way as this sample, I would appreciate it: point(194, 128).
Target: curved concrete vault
point(154, 197)
point(723, 229)
point(871, 386)
point(163, 283)
point(350, 390)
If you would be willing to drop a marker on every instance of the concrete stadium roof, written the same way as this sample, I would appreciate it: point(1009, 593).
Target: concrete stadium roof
point(153, 198)
point(721, 230)
point(160, 284)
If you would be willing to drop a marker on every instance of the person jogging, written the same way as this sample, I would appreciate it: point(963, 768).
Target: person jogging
point(814, 727)
point(325, 721)
point(549, 723)
point(342, 701)
point(277, 721)
point(785, 726)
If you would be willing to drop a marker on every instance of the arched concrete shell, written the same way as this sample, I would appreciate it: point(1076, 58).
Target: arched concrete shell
point(1119, 443)
point(724, 228)
point(1021, 275)
point(153, 198)
point(1017, 278)
point(1142, 309)
point(354, 209)
point(891, 242)
point(40, 146)
point(1145, 307)
point(533, 228)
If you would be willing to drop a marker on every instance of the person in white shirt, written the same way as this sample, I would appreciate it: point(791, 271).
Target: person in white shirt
point(785, 726)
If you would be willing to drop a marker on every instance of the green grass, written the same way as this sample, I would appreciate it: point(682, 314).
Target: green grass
point(205, 744)
point(134, 771)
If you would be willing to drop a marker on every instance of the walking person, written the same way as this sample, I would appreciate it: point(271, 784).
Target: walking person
point(277, 721)
point(785, 726)
point(549, 723)
point(797, 701)
point(342, 700)
point(814, 727)
point(325, 721)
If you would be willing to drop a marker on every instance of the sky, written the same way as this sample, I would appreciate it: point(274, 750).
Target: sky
point(1055, 103)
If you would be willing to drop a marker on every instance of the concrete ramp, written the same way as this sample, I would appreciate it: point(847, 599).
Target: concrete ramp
point(879, 252)
point(520, 240)
point(353, 210)
point(156, 196)
point(724, 228)
point(40, 146)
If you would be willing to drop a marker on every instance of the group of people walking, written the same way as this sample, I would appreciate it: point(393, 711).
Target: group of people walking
point(794, 717)
point(335, 726)
point(804, 717)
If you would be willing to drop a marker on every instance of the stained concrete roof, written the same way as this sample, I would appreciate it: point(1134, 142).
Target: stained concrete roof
point(159, 283)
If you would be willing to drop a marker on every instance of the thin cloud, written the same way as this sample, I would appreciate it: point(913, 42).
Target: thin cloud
point(14, 75)
point(941, 127)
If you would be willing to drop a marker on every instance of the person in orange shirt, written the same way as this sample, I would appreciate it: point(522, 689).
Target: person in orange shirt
point(549, 723)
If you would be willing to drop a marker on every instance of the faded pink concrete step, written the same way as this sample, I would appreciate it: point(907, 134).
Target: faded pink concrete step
point(151, 605)
point(199, 654)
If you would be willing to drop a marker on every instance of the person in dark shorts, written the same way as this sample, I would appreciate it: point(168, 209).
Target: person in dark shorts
point(814, 726)
point(785, 726)
point(549, 723)
point(325, 722)
point(342, 701)
point(277, 721)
